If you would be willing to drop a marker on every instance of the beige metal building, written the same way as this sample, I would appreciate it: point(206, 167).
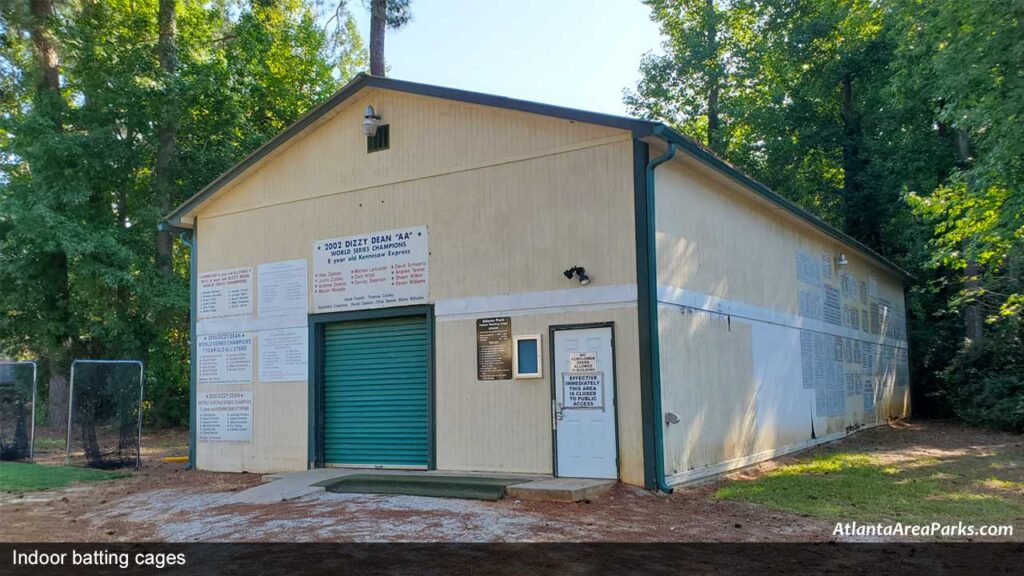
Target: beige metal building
point(459, 281)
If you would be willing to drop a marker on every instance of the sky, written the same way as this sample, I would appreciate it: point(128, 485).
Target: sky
point(575, 53)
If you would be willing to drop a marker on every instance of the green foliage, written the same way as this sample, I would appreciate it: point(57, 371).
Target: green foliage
point(898, 121)
point(80, 196)
point(862, 487)
point(985, 383)
point(20, 477)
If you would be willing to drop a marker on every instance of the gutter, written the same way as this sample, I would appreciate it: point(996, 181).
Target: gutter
point(188, 238)
point(652, 298)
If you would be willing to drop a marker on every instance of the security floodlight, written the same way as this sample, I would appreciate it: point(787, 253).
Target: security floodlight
point(579, 272)
point(370, 122)
point(841, 260)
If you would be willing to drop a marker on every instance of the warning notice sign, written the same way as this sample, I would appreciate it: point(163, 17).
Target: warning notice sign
point(583, 362)
point(583, 390)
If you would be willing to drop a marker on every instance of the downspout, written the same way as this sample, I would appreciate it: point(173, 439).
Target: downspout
point(652, 295)
point(187, 236)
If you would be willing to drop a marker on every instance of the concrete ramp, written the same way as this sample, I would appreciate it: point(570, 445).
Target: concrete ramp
point(292, 485)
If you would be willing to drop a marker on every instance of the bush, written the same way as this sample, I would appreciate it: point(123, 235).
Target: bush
point(985, 383)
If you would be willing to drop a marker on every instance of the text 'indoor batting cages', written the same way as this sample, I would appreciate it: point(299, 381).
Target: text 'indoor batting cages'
point(105, 414)
point(17, 409)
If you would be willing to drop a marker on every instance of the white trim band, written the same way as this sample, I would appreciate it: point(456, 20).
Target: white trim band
point(673, 296)
point(250, 324)
point(520, 303)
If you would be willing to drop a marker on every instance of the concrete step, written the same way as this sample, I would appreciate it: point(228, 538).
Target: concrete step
point(561, 489)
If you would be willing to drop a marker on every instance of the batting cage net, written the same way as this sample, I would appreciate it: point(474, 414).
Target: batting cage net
point(105, 414)
point(17, 409)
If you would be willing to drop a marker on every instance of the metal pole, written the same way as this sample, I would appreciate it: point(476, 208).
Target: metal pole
point(32, 435)
point(138, 446)
point(71, 399)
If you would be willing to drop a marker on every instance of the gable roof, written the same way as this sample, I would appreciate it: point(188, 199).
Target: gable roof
point(639, 128)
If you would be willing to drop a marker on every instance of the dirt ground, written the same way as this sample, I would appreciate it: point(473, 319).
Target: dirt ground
point(164, 502)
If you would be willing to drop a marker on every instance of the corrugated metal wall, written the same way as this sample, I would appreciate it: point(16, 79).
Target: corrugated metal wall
point(510, 199)
point(763, 345)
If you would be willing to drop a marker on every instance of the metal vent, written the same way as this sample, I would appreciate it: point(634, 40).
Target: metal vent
point(379, 141)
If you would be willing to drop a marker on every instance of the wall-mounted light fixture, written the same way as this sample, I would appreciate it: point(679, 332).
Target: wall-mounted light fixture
point(370, 122)
point(841, 260)
point(580, 273)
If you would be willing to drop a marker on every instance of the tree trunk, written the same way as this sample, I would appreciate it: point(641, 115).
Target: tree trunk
point(57, 402)
point(714, 79)
point(973, 321)
point(55, 299)
point(164, 173)
point(857, 211)
point(45, 44)
point(378, 23)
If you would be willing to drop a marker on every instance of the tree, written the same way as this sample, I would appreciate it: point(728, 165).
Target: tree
point(155, 99)
point(692, 86)
point(166, 154)
point(384, 14)
point(899, 122)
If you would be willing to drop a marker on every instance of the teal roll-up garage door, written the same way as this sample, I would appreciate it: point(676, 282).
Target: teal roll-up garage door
point(376, 392)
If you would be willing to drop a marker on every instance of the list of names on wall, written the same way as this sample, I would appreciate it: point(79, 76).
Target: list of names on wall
point(283, 288)
point(225, 293)
point(388, 268)
point(844, 352)
point(494, 348)
point(283, 355)
point(224, 416)
point(224, 358)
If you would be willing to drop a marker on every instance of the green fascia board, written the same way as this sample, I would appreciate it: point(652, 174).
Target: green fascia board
point(710, 159)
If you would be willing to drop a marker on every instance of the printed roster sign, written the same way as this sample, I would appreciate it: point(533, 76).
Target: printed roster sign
point(284, 355)
point(225, 293)
point(283, 288)
point(224, 358)
point(224, 416)
point(387, 268)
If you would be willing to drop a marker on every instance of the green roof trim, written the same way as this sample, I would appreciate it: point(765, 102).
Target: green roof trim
point(639, 128)
point(709, 158)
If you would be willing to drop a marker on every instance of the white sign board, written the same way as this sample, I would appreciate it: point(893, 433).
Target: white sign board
point(284, 355)
point(582, 362)
point(386, 268)
point(224, 358)
point(583, 390)
point(224, 416)
point(225, 293)
point(283, 288)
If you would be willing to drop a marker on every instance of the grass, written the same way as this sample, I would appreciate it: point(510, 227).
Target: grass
point(21, 477)
point(49, 444)
point(863, 487)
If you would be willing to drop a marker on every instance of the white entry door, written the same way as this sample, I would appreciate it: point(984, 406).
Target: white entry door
point(584, 407)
